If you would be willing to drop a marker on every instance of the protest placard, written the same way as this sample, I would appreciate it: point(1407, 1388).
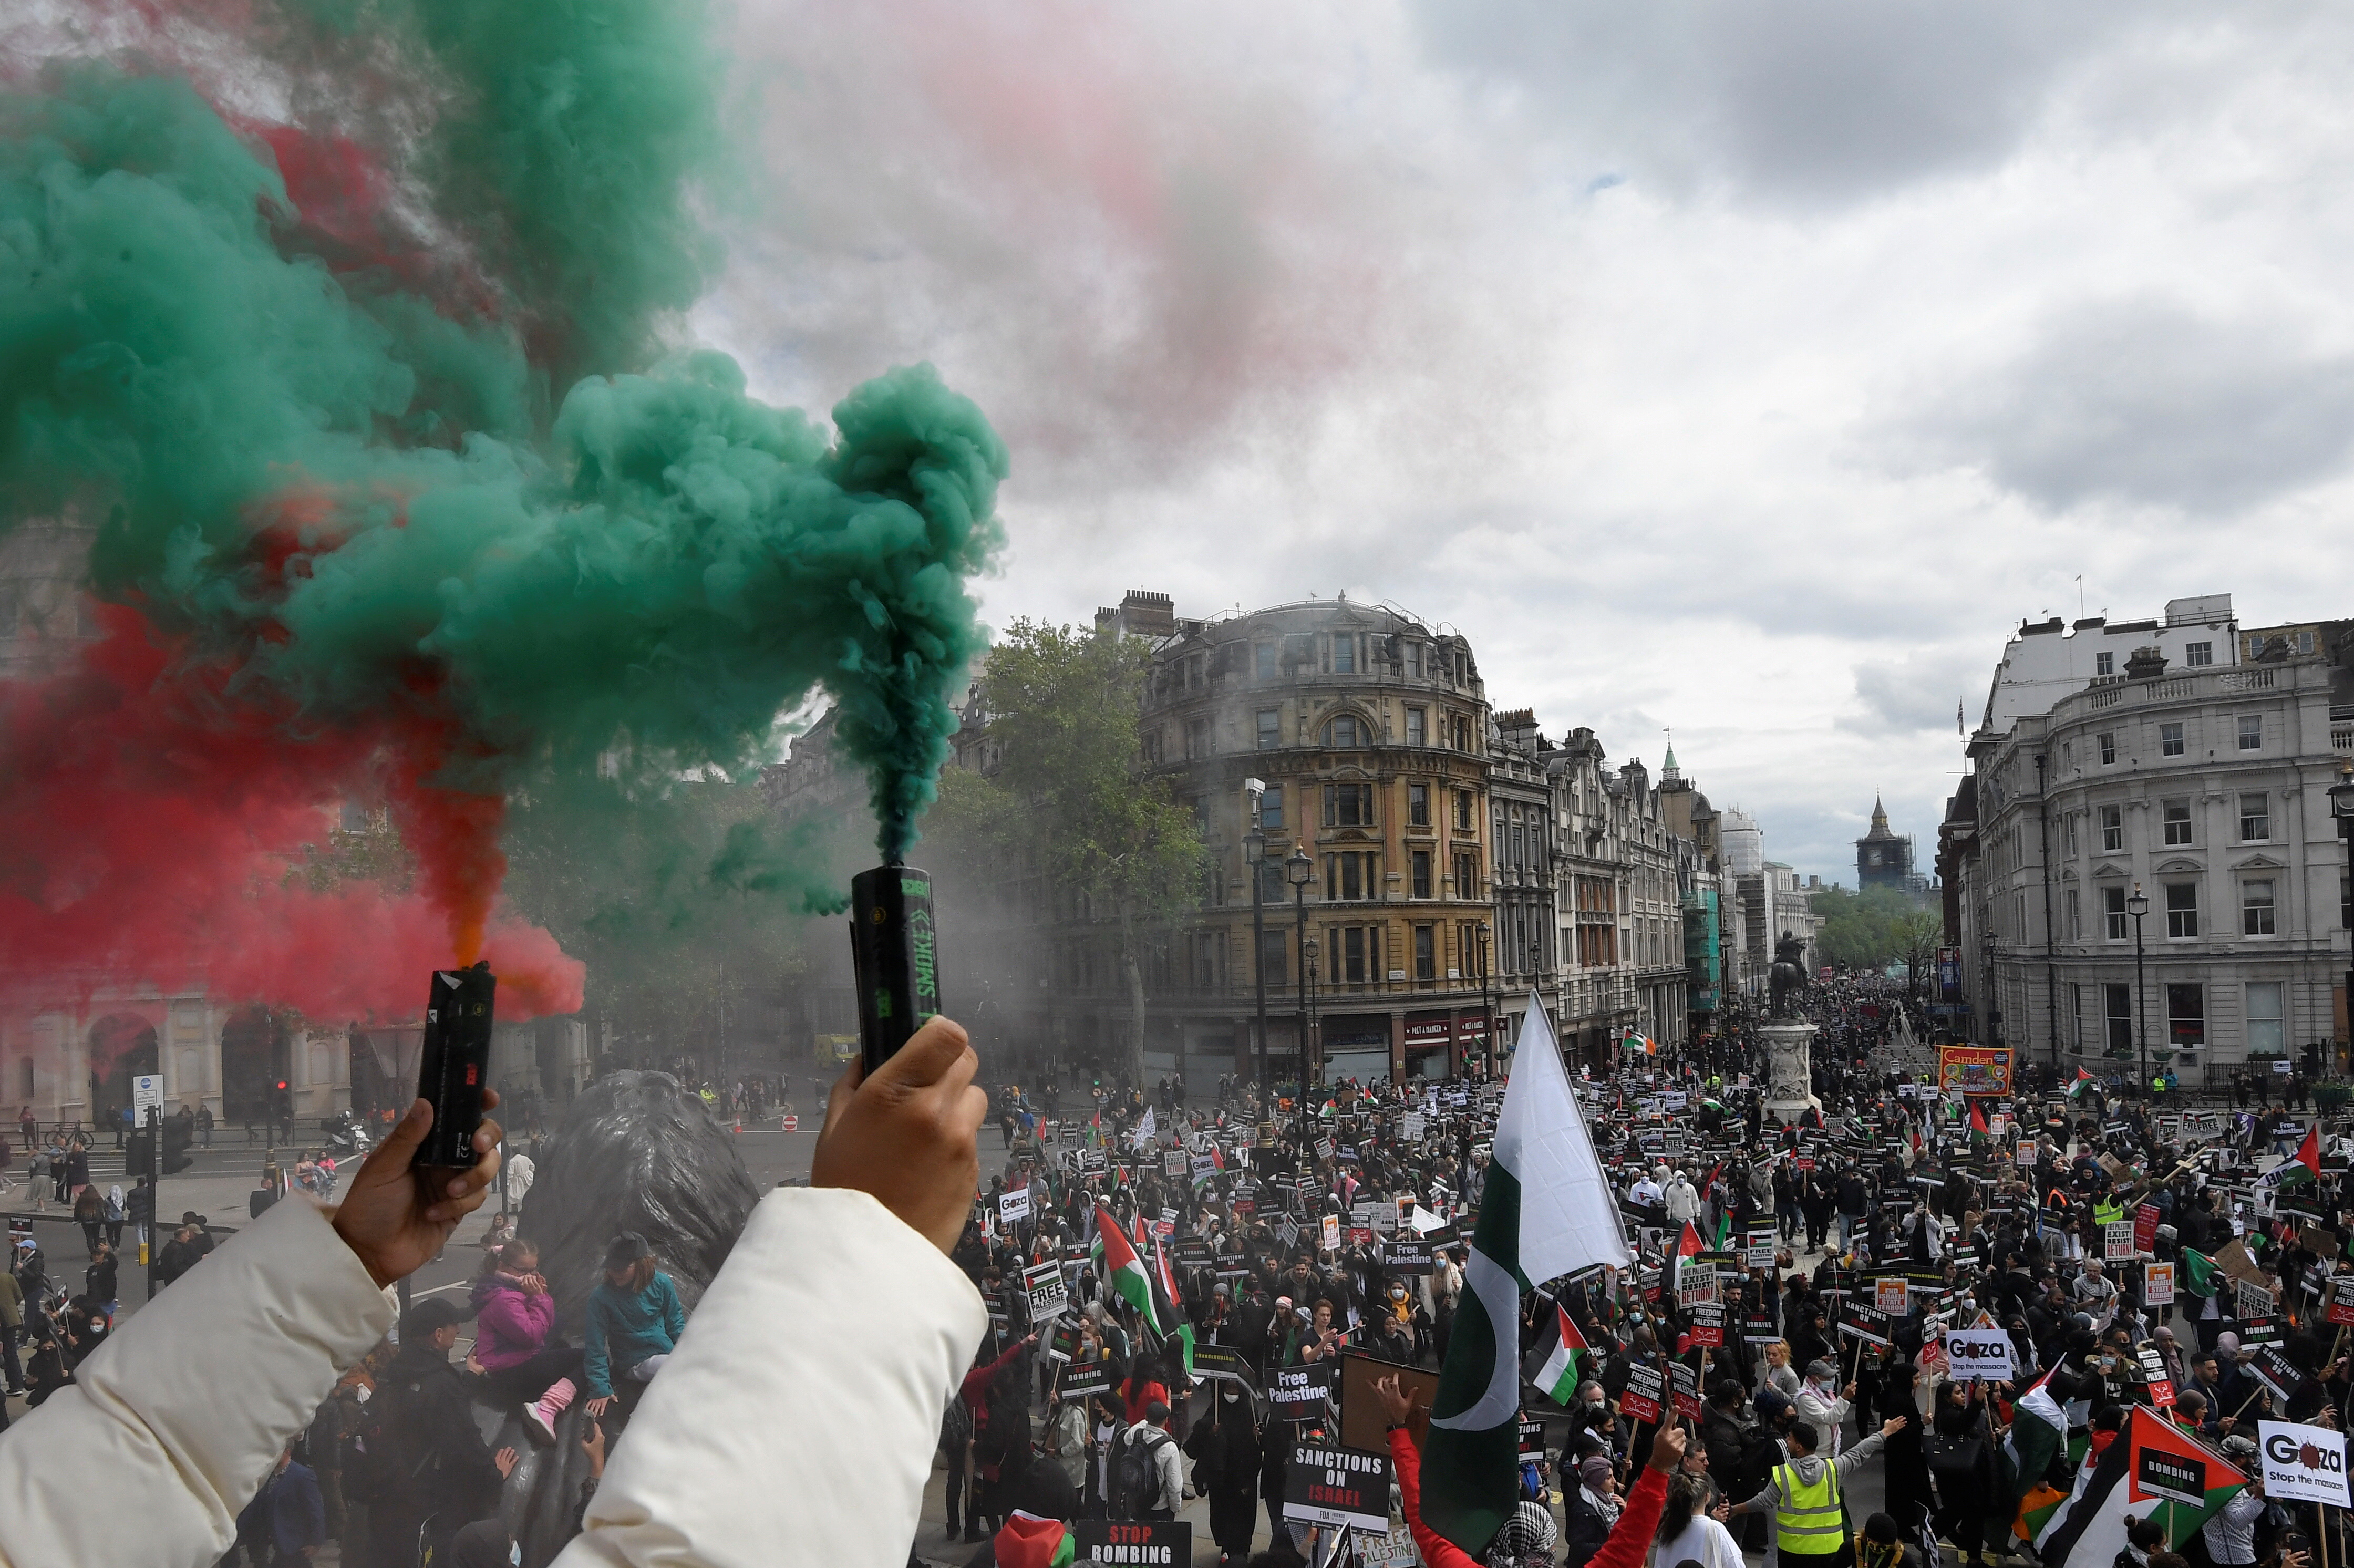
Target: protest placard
point(2158, 1285)
point(1049, 1297)
point(1978, 1355)
point(1645, 1389)
point(2302, 1464)
point(1301, 1392)
point(1013, 1207)
point(1147, 1542)
point(2117, 1242)
point(1891, 1295)
point(1330, 1233)
point(1346, 1486)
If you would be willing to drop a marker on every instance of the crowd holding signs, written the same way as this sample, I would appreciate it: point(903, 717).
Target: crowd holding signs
point(2025, 1277)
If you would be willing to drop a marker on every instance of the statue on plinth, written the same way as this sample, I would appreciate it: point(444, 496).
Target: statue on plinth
point(1787, 978)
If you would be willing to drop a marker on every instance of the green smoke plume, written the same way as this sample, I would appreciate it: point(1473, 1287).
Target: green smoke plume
point(305, 381)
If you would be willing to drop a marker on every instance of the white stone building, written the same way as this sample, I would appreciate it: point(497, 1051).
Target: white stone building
point(2203, 789)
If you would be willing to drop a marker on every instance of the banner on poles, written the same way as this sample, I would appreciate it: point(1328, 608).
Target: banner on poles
point(1973, 1070)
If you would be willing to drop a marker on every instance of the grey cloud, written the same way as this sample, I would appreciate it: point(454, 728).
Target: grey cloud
point(2146, 402)
point(1916, 692)
point(1809, 102)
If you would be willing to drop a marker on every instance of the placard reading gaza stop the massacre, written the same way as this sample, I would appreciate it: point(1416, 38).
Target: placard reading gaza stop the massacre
point(2302, 1464)
point(1978, 1355)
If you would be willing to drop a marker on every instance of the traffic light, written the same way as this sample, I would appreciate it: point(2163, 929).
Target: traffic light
point(176, 1131)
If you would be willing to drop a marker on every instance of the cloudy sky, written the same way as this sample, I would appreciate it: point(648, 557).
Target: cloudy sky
point(1744, 369)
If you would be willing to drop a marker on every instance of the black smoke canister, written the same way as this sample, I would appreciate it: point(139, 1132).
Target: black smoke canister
point(456, 1064)
point(893, 947)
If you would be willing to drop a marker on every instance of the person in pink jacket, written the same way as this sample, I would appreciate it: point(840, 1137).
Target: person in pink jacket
point(513, 1315)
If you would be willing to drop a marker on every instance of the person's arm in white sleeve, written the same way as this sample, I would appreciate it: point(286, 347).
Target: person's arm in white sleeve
point(183, 1411)
point(796, 1420)
point(185, 1408)
point(803, 1402)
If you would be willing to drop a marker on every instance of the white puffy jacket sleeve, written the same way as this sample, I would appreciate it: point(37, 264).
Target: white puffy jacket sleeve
point(180, 1415)
point(796, 1421)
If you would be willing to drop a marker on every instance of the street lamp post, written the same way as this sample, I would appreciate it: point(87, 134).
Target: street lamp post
point(2138, 906)
point(1254, 852)
point(1986, 1024)
point(1487, 1007)
point(2341, 808)
point(1313, 1070)
point(1299, 867)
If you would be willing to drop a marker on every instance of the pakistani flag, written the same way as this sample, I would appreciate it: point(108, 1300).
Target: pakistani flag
point(1559, 1361)
point(1123, 1272)
point(1547, 1211)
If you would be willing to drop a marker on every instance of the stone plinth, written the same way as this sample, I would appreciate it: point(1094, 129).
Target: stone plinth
point(1789, 1083)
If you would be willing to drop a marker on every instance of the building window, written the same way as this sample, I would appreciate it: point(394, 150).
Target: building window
point(1270, 728)
point(1348, 805)
point(1426, 948)
point(1197, 737)
point(2069, 832)
point(1462, 733)
point(1152, 749)
point(2177, 820)
point(1417, 726)
point(2255, 818)
point(1275, 889)
point(1466, 876)
point(1414, 659)
point(2267, 1029)
point(1275, 957)
point(1420, 863)
point(1463, 810)
point(1344, 652)
point(2169, 740)
point(1264, 664)
point(2256, 908)
point(2076, 1017)
point(2075, 916)
point(2199, 656)
point(2104, 663)
point(2186, 1016)
point(2113, 913)
point(2112, 828)
point(1418, 805)
point(1271, 807)
point(2116, 1004)
point(1351, 875)
point(2252, 732)
point(1349, 963)
point(2108, 743)
point(2182, 909)
point(1345, 732)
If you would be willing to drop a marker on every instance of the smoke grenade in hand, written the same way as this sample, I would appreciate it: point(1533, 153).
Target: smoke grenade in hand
point(894, 945)
point(456, 1064)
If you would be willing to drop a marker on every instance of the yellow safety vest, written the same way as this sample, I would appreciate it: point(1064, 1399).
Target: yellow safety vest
point(1807, 1519)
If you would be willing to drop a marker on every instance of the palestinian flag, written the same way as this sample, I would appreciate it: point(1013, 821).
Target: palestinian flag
point(2303, 1166)
point(2198, 1272)
point(1548, 1211)
point(1165, 1282)
point(2088, 1529)
point(1118, 1266)
point(1978, 1121)
point(1217, 1169)
point(2038, 1429)
point(2077, 1088)
point(1029, 1541)
point(1559, 1361)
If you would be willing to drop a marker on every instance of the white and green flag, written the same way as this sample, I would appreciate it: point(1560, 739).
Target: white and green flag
point(1547, 1210)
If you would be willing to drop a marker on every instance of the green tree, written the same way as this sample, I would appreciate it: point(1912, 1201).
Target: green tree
point(1069, 794)
point(1876, 928)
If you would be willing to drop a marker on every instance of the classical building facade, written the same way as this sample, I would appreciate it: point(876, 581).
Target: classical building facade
point(2202, 791)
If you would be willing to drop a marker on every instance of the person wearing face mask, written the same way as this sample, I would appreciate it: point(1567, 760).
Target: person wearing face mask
point(1224, 1448)
point(1822, 1402)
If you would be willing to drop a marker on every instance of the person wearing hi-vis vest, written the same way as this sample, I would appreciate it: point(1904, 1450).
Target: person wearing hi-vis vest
point(1803, 1496)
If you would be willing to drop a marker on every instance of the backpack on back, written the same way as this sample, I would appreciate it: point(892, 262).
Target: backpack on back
point(1139, 1474)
